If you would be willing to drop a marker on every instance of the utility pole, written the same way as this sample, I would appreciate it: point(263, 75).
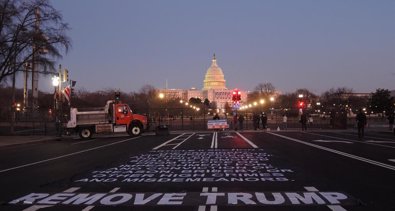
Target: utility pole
point(13, 106)
point(34, 66)
point(25, 88)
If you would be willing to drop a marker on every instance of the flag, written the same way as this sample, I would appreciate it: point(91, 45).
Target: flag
point(67, 92)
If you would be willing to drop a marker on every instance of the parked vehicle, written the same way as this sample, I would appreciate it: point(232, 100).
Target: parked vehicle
point(114, 117)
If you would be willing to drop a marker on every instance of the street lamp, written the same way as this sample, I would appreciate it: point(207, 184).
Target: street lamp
point(262, 101)
point(55, 81)
point(161, 95)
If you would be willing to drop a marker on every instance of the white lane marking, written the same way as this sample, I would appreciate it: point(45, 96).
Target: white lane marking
point(336, 208)
point(246, 140)
point(157, 147)
point(366, 160)
point(346, 139)
point(115, 190)
point(36, 207)
point(66, 155)
point(312, 189)
point(333, 141)
point(383, 142)
point(214, 141)
point(392, 160)
point(84, 142)
point(183, 141)
point(203, 207)
point(88, 208)
point(72, 189)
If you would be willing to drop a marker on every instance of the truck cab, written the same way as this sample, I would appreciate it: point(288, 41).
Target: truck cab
point(134, 123)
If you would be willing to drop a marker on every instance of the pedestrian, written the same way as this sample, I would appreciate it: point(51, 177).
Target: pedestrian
point(235, 121)
point(264, 120)
point(310, 120)
point(285, 119)
point(391, 118)
point(303, 121)
point(361, 122)
point(255, 120)
point(241, 121)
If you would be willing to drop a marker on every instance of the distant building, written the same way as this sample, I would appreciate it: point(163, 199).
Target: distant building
point(214, 88)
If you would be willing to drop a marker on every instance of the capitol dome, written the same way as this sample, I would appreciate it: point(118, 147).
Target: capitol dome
point(214, 78)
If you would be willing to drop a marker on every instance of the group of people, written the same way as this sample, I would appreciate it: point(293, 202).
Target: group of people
point(259, 118)
point(305, 119)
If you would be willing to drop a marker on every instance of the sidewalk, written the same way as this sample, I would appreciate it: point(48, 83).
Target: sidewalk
point(16, 140)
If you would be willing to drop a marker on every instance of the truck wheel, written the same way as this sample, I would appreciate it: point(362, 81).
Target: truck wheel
point(85, 133)
point(135, 130)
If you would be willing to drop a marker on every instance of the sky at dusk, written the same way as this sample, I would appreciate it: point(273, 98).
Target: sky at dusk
point(318, 45)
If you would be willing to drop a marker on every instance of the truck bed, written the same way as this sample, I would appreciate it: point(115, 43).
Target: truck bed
point(92, 117)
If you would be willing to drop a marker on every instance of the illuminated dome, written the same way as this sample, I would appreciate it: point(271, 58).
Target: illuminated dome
point(214, 78)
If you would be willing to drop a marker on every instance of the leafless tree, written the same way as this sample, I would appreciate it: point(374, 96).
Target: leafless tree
point(30, 29)
point(265, 88)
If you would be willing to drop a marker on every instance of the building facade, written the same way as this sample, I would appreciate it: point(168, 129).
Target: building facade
point(214, 88)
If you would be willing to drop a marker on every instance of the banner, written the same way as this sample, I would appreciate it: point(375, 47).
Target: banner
point(67, 92)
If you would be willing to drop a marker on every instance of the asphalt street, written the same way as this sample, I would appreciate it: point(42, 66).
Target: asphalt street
point(202, 171)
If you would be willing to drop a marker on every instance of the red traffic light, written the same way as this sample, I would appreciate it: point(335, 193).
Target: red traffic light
point(236, 95)
point(301, 104)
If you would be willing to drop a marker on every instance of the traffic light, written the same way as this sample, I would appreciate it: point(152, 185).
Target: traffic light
point(234, 96)
point(117, 96)
point(300, 104)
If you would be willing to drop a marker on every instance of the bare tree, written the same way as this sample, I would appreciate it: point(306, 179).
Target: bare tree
point(30, 30)
point(266, 88)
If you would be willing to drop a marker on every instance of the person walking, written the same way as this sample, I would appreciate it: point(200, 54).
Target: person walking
point(241, 121)
point(255, 119)
point(235, 117)
point(303, 121)
point(285, 119)
point(361, 122)
point(310, 120)
point(264, 120)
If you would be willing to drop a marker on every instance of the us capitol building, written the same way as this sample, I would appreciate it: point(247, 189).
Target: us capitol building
point(214, 88)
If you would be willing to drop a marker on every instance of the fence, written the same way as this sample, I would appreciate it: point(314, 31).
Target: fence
point(43, 123)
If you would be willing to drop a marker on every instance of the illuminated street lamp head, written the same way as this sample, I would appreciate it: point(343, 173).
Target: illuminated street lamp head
point(300, 95)
point(271, 99)
point(55, 81)
point(161, 95)
point(262, 101)
point(181, 101)
point(255, 103)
